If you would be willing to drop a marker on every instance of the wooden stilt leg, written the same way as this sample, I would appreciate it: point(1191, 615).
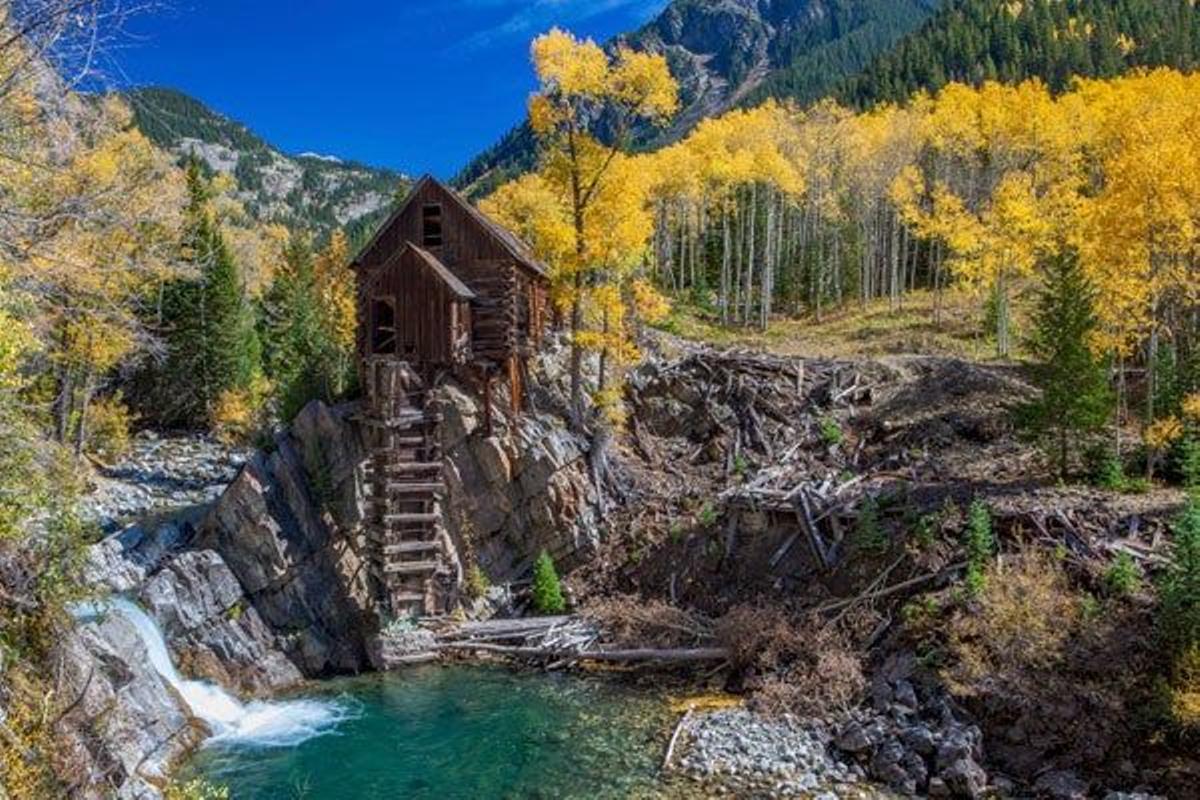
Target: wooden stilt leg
point(514, 382)
point(487, 404)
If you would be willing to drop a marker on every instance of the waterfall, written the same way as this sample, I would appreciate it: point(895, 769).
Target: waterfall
point(257, 723)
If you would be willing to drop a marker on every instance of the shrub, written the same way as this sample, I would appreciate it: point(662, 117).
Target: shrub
point(1105, 469)
point(109, 421)
point(239, 414)
point(831, 432)
point(1024, 614)
point(811, 666)
point(477, 582)
point(1183, 690)
point(196, 789)
point(869, 536)
point(547, 591)
point(1122, 577)
point(980, 544)
point(635, 622)
point(1179, 587)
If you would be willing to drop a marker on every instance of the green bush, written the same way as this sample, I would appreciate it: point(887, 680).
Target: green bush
point(869, 536)
point(477, 582)
point(831, 432)
point(1179, 587)
point(547, 591)
point(1105, 469)
point(980, 544)
point(1122, 577)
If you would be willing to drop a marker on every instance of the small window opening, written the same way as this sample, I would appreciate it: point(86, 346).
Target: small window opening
point(431, 225)
point(383, 326)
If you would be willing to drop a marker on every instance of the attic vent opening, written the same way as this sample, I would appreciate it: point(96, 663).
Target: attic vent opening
point(431, 225)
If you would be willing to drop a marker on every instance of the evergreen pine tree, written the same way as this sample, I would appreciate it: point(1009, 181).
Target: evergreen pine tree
point(295, 341)
point(547, 591)
point(211, 343)
point(1075, 397)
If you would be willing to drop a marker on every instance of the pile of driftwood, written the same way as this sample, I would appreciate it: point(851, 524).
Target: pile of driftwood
point(755, 401)
point(559, 641)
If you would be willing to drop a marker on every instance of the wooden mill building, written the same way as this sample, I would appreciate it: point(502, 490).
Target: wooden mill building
point(441, 285)
point(441, 288)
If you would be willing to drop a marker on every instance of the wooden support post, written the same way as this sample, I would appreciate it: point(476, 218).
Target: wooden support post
point(514, 382)
point(487, 403)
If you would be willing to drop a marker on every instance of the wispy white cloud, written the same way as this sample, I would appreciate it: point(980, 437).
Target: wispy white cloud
point(525, 17)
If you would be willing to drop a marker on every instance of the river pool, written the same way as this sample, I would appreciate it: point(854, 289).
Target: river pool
point(459, 732)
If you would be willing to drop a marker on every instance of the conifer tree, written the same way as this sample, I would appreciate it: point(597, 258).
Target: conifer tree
point(1075, 398)
point(295, 342)
point(547, 591)
point(212, 345)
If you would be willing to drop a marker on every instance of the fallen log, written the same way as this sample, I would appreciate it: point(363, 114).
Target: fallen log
point(680, 655)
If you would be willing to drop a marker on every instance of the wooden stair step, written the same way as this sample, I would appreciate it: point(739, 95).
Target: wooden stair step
point(390, 518)
point(415, 488)
point(411, 567)
point(415, 466)
point(403, 548)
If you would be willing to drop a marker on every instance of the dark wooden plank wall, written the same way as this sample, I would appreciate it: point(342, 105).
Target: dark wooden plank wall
point(430, 318)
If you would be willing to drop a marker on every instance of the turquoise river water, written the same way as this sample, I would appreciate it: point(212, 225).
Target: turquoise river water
point(458, 732)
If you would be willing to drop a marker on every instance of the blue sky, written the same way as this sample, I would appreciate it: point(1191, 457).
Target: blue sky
point(416, 85)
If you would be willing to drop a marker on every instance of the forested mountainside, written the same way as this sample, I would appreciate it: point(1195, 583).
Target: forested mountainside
point(726, 52)
point(316, 192)
point(1055, 40)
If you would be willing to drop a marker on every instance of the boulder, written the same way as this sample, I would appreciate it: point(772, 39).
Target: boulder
point(126, 724)
point(1061, 785)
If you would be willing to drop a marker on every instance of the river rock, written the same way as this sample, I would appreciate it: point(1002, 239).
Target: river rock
point(213, 631)
point(126, 726)
point(1061, 785)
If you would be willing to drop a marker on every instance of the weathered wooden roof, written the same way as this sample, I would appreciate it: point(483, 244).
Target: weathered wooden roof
point(507, 240)
point(439, 269)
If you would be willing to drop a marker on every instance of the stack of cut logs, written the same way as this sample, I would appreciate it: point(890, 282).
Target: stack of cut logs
point(495, 315)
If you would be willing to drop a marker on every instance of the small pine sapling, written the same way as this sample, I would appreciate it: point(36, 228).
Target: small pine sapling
point(547, 590)
point(1075, 395)
point(980, 544)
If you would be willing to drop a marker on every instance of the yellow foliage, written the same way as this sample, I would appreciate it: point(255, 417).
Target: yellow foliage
point(1191, 407)
point(1184, 689)
point(1161, 434)
point(109, 423)
point(196, 789)
point(1026, 613)
point(239, 413)
point(650, 304)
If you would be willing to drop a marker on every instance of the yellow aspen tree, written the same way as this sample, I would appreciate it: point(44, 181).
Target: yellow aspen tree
point(576, 78)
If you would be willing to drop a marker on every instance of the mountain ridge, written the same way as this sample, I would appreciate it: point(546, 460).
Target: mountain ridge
point(315, 191)
point(724, 52)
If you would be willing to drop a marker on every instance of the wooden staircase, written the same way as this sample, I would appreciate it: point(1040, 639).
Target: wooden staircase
point(404, 482)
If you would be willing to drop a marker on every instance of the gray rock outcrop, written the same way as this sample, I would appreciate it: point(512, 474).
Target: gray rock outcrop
point(126, 727)
point(277, 527)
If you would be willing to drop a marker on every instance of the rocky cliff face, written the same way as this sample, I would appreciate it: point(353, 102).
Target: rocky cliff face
point(513, 493)
point(126, 727)
point(264, 588)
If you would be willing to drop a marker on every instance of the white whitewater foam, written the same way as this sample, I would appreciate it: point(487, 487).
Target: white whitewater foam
point(259, 723)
